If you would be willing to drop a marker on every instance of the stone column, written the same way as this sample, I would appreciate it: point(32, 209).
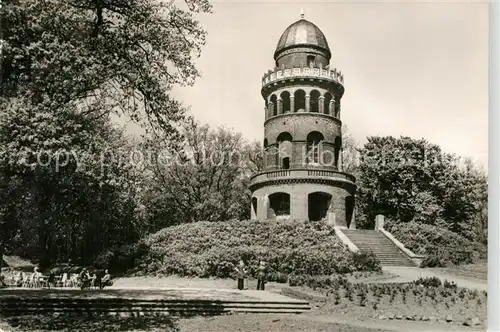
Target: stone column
point(292, 103)
point(332, 107)
point(321, 101)
point(298, 206)
point(270, 107)
point(330, 218)
point(379, 222)
point(338, 109)
point(353, 219)
point(308, 103)
point(262, 212)
point(280, 106)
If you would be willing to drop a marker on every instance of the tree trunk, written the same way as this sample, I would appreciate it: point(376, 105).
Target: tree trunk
point(1, 257)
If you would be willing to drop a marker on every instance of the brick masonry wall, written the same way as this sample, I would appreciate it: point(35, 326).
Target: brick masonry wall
point(299, 125)
point(297, 56)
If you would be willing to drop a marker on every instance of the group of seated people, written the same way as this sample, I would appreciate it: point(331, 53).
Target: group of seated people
point(94, 281)
point(36, 279)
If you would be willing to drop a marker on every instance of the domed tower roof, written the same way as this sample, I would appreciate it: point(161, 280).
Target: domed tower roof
point(302, 33)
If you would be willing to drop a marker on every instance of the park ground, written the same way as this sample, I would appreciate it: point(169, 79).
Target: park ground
point(323, 316)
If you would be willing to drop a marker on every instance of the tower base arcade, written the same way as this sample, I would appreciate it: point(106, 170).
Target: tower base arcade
point(330, 200)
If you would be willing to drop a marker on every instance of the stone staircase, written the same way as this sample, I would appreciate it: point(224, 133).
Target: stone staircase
point(383, 248)
point(19, 302)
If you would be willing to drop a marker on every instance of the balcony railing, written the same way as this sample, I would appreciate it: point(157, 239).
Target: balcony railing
point(283, 73)
point(302, 173)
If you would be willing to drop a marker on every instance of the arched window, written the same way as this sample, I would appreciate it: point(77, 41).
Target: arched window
point(328, 99)
point(300, 100)
point(274, 100)
point(279, 204)
point(313, 143)
point(285, 163)
point(338, 148)
point(285, 97)
point(310, 60)
point(285, 149)
point(314, 100)
point(318, 205)
point(265, 143)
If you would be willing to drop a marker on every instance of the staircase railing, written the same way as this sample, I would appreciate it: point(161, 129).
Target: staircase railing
point(417, 259)
point(345, 240)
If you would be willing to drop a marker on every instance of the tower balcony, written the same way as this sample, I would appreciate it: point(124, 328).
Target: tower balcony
point(306, 72)
point(300, 176)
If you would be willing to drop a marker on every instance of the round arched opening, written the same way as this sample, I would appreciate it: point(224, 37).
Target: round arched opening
point(300, 100)
point(318, 204)
point(327, 101)
point(285, 149)
point(279, 204)
point(314, 140)
point(314, 101)
point(285, 99)
point(274, 101)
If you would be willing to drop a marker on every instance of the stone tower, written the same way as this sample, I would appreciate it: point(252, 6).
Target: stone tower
point(302, 177)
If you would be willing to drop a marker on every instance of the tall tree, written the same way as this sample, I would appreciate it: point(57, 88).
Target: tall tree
point(66, 66)
point(350, 152)
point(102, 56)
point(413, 180)
point(204, 179)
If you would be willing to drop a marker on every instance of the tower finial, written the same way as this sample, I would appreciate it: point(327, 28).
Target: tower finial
point(302, 13)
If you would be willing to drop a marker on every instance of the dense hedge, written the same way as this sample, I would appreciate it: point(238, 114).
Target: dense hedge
point(207, 249)
point(441, 246)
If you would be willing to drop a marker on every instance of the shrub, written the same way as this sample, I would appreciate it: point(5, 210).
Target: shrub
point(122, 258)
point(441, 246)
point(278, 277)
point(206, 249)
point(428, 282)
point(366, 261)
point(322, 282)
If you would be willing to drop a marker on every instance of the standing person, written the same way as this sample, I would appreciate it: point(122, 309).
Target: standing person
point(84, 279)
point(262, 276)
point(241, 272)
point(106, 280)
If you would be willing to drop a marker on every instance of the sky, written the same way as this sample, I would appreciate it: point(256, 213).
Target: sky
point(417, 69)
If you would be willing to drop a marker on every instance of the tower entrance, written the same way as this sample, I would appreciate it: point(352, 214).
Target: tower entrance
point(318, 205)
point(279, 204)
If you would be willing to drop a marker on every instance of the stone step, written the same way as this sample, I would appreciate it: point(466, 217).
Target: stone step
point(16, 306)
point(383, 248)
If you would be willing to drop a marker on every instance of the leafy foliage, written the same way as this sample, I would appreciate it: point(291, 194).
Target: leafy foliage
point(410, 180)
point(66, 197)
point(440, 245)
point(205, 178)
point(205, 249)
point(101, 56)
point(66, 67)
